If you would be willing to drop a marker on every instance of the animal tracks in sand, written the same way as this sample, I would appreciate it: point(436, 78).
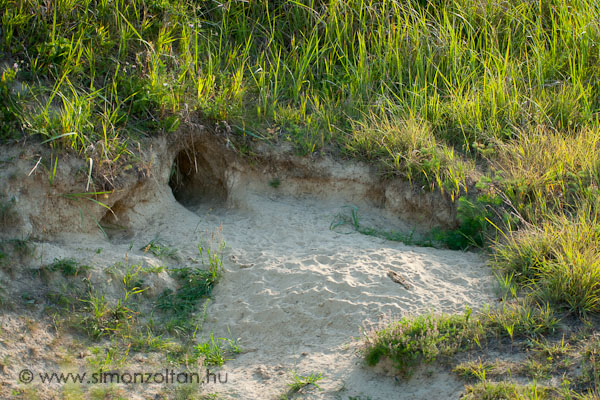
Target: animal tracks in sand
point(294, 286)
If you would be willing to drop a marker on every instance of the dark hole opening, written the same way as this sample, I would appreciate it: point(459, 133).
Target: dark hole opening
point(196, 179)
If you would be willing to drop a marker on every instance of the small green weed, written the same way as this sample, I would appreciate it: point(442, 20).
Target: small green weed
point(590, 374)
point(149, 341)
point(549, 350)
point(64, 297)
point(473, 223)
point(68, 267)
point(190, 392)
point(212, 245)
point(104, 393)
point(474, 369)
point(195, 284)
point(107, 358)
point(300, 382)
point(538, 370)
point(274, 183)
point(215, 350)
point(351, 219)
point(132, 279)
point(161, 250)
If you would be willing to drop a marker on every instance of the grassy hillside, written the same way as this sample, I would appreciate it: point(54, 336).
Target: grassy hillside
point(425, 88)
point(494, 102)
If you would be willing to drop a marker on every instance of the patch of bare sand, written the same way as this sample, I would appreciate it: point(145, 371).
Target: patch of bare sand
point(296, 293)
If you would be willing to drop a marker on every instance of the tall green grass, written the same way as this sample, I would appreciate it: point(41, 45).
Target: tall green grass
point(472, 74)
point(558, 260)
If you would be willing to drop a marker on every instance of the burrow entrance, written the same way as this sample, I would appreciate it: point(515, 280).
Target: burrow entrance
point(198, 176)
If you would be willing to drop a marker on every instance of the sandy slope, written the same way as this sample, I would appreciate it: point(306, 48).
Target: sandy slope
point(296, 293)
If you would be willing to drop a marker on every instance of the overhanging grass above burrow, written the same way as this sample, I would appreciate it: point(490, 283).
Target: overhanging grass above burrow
point(86, 72)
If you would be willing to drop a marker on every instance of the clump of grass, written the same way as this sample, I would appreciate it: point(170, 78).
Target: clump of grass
point(519, 319)
point(486, 390)
point(159, 249)
point(274, 183)
point(473, 225)
point(353, 221)
point(538, 370)
point(409, 147)
point(215, 350)
point(105, 359)
point(149, 341)
point(195, 284)
point(425, 338)
point(558, 260)
point(132, 279)
point(91, 312)
point(67, 296)
point(299, 382)
point(10, 107)
point(107, 392)
point(551, 351)
point(192, 391)
point(543, 172)
point(100, 318)
point(212, 246)
point(67, 267)
point(590, 376)
point(477, 370)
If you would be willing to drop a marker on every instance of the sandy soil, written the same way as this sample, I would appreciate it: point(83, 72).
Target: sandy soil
point(294, 292)
point(297, 295)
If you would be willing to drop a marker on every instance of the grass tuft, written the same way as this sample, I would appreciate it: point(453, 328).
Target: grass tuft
point(68, 267)
point(558, 260)
point(425, 338)
point(215, 350)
